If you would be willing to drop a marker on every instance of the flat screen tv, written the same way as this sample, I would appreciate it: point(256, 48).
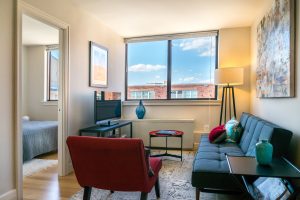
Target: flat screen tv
point(106, 110)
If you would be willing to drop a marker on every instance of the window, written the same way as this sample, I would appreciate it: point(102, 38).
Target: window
point(52, 74)
point(142, 95)
point(147, 69)
point(178, 67)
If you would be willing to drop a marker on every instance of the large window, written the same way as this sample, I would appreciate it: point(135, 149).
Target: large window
point(181, 67)
point(52, 74)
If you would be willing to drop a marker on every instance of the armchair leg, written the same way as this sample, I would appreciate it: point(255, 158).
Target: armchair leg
point(87, 193)
point(197, 194)
point(157, 190)
point(144, 196)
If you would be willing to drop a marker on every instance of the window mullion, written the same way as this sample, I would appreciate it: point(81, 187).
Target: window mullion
point(169, 69)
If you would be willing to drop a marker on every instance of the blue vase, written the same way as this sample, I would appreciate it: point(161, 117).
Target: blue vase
point(140, 110)
point(264, 152)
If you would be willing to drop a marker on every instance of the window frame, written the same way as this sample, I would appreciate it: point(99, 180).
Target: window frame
point(48, 77)
point(169, 39)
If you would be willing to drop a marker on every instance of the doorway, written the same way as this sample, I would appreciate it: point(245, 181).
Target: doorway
point(55, 84)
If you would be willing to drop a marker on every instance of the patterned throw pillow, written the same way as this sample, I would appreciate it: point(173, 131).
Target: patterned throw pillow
point(217, 134)
point(234, 130)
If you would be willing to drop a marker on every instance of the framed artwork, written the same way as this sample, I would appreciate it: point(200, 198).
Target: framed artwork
point(98, 65)
point(276, 51)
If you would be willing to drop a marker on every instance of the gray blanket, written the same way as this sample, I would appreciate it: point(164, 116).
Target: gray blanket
point(39, 137)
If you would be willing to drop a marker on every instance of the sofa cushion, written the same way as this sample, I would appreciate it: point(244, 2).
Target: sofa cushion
point(211, 157)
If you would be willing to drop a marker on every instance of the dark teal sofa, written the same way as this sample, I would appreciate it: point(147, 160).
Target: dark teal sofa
point(210, 168)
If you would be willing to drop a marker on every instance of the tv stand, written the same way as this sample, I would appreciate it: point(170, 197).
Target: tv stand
point(101, 130)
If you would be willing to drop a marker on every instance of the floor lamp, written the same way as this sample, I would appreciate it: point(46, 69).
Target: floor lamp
point(228, 78)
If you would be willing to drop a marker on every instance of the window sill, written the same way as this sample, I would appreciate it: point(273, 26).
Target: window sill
point(174, 103)
point(49, 103)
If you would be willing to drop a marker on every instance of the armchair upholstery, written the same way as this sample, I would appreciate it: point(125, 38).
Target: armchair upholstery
point(116, 164)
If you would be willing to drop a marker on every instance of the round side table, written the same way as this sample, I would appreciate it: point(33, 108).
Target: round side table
point(159, 133)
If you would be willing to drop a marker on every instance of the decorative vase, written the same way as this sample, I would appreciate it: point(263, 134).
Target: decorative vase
point(140, 110)
point(264, 152)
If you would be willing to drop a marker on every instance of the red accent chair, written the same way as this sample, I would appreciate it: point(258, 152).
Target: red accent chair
point(115, 164)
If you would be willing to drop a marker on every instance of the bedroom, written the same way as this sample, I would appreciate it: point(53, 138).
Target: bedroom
point(40, 94)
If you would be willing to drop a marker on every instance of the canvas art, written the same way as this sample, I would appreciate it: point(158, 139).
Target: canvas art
point(275, 56)
point(98, 65)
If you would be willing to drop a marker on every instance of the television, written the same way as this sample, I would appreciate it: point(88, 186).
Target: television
point(106, 111)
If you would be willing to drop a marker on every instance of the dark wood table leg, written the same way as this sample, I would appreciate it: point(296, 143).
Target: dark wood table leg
point(181, 146)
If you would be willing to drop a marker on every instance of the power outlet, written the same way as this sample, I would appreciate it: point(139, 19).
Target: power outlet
point(206, 127)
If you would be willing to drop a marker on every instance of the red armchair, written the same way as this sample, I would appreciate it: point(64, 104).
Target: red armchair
point(115, 164)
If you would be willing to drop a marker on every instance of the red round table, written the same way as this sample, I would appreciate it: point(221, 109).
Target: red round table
point(166, 134)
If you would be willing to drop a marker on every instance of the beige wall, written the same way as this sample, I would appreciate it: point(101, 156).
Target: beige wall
point(234, 51)
point(282, 111)
point(33, 83)
point(84, 28)
point(7, 176)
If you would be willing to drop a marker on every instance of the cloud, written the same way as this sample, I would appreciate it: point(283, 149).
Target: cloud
point(204, 45)
point(145, 68)
point(193, 79)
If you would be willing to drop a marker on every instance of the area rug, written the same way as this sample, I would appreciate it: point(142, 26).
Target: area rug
point(175, 184)
point(35, 165)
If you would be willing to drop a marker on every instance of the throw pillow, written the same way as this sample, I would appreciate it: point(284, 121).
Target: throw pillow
point(217, 134)
point(234, 131)
point(149, 169)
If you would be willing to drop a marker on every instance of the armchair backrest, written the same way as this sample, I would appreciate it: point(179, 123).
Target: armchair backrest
point(109, 163)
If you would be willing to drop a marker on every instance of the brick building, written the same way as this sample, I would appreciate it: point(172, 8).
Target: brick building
point(178, 91)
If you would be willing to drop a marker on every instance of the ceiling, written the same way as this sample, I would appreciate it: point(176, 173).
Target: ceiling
point(35, 32)
point(131, 18)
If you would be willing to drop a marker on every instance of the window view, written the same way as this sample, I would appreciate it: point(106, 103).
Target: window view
point(147, 70)
point(52, 76)
point(193, 65)
point(191, 68)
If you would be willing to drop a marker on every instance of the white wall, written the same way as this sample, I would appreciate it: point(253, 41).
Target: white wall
point(282, 111)
point(33, 84)
point(234, 51)
point(7, 155)
point(83, 28)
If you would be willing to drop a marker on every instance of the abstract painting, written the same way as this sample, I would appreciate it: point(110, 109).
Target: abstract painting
point(98, 65)
point(275, 55)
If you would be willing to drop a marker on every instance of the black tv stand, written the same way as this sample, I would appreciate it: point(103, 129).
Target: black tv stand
point(101, 130)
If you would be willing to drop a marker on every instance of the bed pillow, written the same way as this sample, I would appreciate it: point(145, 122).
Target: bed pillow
point(234, 131)
point(217, 134)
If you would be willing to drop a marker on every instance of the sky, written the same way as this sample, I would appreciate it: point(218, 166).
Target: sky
point(193, 61)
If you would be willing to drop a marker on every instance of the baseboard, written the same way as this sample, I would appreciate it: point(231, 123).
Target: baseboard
point(10, 195)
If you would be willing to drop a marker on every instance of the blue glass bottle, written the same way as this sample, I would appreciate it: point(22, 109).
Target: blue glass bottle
point(264, 152)
point(140, 110)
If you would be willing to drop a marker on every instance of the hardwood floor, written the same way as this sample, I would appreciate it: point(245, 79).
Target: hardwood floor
point(46, 185)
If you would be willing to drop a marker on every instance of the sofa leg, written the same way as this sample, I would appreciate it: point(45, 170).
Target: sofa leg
point(87, 193)
point(144, 195)
point(157, 190)
point(197, 194)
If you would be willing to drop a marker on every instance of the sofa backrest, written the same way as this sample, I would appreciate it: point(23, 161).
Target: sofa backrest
point(256, 129)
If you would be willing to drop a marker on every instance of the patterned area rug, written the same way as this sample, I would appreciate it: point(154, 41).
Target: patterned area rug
point(175, 184)
point(35, 165)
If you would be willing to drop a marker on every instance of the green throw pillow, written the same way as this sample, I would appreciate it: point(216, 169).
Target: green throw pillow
point(234, 131)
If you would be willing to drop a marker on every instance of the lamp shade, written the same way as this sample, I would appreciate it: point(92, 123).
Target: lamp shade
point(229, 76)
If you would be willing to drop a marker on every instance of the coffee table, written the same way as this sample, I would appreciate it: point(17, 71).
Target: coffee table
point(157, 133)
point(245, 168)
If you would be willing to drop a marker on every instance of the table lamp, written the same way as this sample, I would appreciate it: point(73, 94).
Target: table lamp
point(228, 78)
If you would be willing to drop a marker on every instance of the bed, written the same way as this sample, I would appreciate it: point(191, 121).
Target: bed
point(39, 137)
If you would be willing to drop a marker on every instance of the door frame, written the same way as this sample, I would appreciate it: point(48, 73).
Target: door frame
point(63, 102)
